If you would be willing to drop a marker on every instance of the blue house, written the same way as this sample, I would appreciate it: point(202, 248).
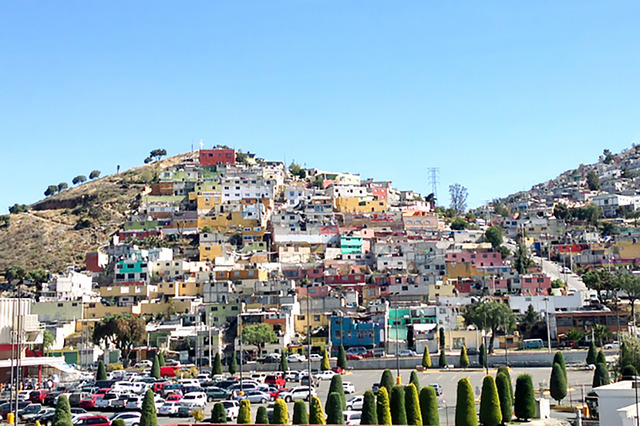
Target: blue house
point(349, 332)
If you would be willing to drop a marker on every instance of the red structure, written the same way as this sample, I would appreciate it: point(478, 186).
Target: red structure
point(213, 157)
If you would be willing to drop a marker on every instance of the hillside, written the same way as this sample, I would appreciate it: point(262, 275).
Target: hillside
point(59, 230)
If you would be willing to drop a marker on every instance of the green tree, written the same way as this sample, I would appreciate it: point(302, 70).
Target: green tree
point(118, 422)
point(316, 415)
point(334, 409)
point(429, 406)
point(244, 412)
point(387, 380)
point(412, 405)
point(123, 331)
point(465, 404)
point(262, 417)
point(523, 260)
point(629, 372)
point(593, 181)
point(300, 416)
point(630, 284)
point(503, 385)
point(79, 179)
point(441, 337)
point(413, 379)
point(161, 361)
point(336, 386)
point(558, 383)
point(383, 407)
point(459, 224)
point(258, 335)
point(525, 401)
point(505, 370)
point(198, 415)
point(149, 416)
point(601, 375)
point(233, 363)
point(342, 358)
point(600, 358)
point(51, 190)
point(592, 353)
point(325, 365)
point(217, 364)
point(458, 195)
point(102, 372)
point(62, 186)
point(155, 368)
point(490, 413)
point(284, 363)
point(218, 413)
point(38, 276)
point(482, 355)
point(492, 316)
point(426, 358)
point(574, 335)
point(442, 359)
point(493, 235)
point(558, 358)
point(530, 319)
point(94, 174)
point(398, 411)
point(369, 415)
point(62, 414)
point(280, 413)
point(464, 358)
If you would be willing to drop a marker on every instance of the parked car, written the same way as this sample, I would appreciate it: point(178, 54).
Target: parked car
point(51, 398)
point(130, 418)
point(199, 398)
point(255, 396)
point(355, 403)
point(353, 357)
point(325, 375)
point(297, 393)
point(169, 408)
point(358, 350)
point(375, 387)
point(90, 401)
point(215, 393)
point(38, 396)
point(7, 408)
point(613, 345)
point(352, 417)
point(105, 401)
point(120, 402)
point(29, 409)
point(315, 357)
point(134, 403)
point(43, 413)
point(174, 397)
point(93, 421)
point(348, 387)
point(275, 380)
point(437, 387)
point(231, 408)
point(185, 408)
point(273, 392)
point(291, 376)
point(407, 352)
point(158, 386)
point(296, 358)
point(143, 364)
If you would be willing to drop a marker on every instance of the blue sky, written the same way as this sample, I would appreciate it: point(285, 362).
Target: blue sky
point(498, 95)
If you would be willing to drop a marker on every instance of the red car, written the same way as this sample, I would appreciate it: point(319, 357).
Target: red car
point(93, 421)
point(90, 401)
point(157, 386)
point(174, 397)
point(169, 371)
point(275, 380)
point(353, 357)
point(37, 396)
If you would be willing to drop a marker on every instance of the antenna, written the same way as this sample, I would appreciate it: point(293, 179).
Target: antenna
point(432, 179)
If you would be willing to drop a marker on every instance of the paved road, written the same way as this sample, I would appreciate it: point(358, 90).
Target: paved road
point(363, 379)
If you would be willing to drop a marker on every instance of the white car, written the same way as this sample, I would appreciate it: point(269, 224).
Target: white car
point(613, 345)
point(199, 398)
point(169, 408)
point(134, 403)
point(325, 375)
point(105, 401)
point(232, 408)
point(143, 364)
point(355, 403)
point(352, 417)
point(130, 418)
point(301, 392)
point(315, 357)
point(296, 358)
point(291, 376)
point(348, 387)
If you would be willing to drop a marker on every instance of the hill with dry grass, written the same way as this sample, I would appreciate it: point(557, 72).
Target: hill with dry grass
point(59, 230)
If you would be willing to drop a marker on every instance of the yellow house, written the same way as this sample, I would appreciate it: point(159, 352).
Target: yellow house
point(207, 201)
point(627, 249)
point(462, 270)
point(359, 204)
point(315, 320)
point(208, 252)
point(173, 306)
point(96, 310)
point(444, 289)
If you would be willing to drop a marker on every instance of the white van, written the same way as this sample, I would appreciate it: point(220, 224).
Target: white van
point(189, 382)
point(133, 387)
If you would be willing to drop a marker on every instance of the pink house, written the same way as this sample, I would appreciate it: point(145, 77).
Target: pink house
point(535, 284)
point(478, 260)
point(314, 291)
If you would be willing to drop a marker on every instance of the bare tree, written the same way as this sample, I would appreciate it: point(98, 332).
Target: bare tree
point(458, 194)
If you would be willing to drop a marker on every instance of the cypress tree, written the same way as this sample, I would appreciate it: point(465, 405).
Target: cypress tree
point(600, 358)
point(161, 359)
point(398, 411)
point(342, 358)
point(316, 415)
point(413, 379)
point(429, 406)
point(482, 355)
point(284, 363)
point(465, 404)
point(149, 416)
point(334, 409)
point(558, 383)
point(464, 358)
point(505, 370)
point(218, 413)
point(426, 358)
point(383, 407)
point(601, 375)
point(118, 422)
point(102, 372)
point(155, 368)
point(217, 364)
point(62, 414)
point(592, 353)
point(503, 384)
point(337, 387)
point(412, 405)
point(442, 359)
point(325, 365)
point(262, 417)
point(442, 340)
point(300, 416)
point(387, 381)
point(233, 364)
point(558, 358)
point(369, 415)
point(525, 400)
point(280, 413)
point(244, 412)
point(490, 414)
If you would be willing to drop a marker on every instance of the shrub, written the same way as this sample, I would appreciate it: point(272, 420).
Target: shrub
point(429, 406)
point(505, 370)
point(280, 413)
point(325, 365)
point(115, 366)
point(337, 387)
point(503, 385)
point(482, 355)
point(149, 416)
point(334, 409)
point(442, 359)
point(300, 416)
point(413, 379)
point(525, 401)
point(465, 404)
point(558, 383)
point(398, 412)
point(387, 381)
point(558, 358)
point(629, 372)
point(262, 417)
point(218, 413)
point(412, 405)
point(383, 407)
point(161, 362)
point(102, 372)
point(464, 358)
point(197, 415)
point(155, 368)
point(592, 353)
point(233, 364)
point(63, 411)
point(600, 358)
point(342, 358)
point(490, 414)
point(600, 375)
point(244, 412)
point(369, 415)
point(217, 364)
point(426, 358)
point(118, 422)
point(284, 363)
point(316, 415)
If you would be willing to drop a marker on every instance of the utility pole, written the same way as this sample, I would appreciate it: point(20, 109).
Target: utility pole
point(309, 348)
point(546, 308)
point(210, 365)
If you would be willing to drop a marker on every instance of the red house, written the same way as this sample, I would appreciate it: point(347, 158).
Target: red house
point(213, 157)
